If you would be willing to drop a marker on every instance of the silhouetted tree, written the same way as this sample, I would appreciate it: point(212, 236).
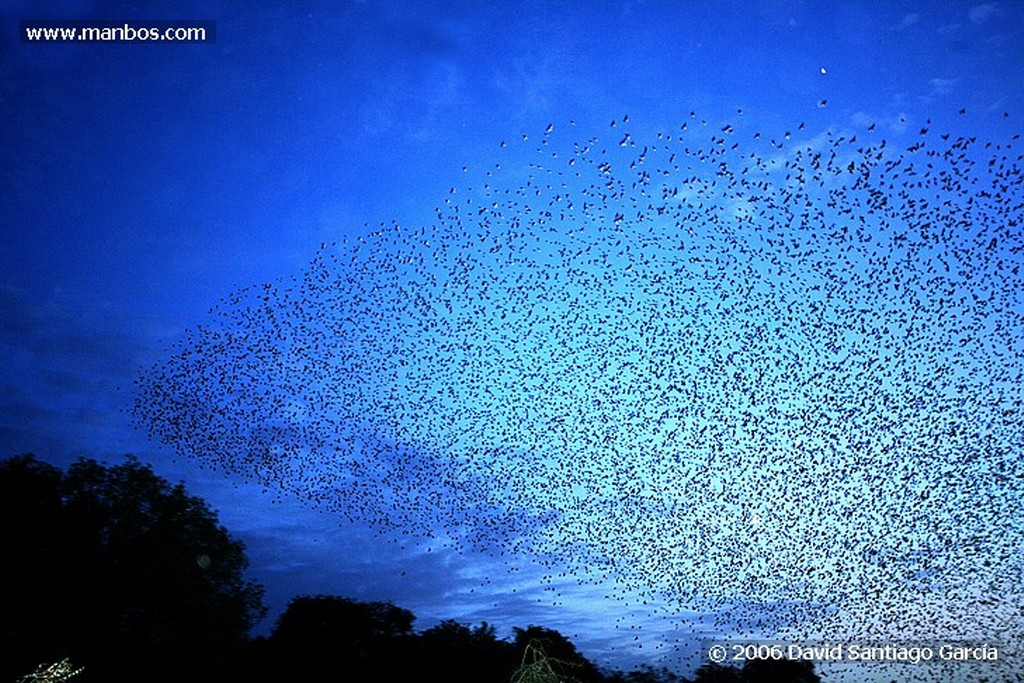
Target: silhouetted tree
point(778, 671)
point(717, 673)
point(32, 602)
point(565, 659)
point(115, 568)
point(319, 638)
point(645, 673)
point(455, 653)
point(759, 671)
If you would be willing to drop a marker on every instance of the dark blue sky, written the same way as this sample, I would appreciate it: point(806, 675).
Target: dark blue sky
point(143, 184)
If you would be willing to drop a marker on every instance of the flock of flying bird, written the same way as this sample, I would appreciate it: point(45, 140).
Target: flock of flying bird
point(778, 380)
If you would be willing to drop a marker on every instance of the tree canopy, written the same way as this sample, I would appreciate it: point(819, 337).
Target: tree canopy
point(119, 570)
point(115, 574)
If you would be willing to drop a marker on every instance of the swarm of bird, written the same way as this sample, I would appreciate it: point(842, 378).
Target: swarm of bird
point(777, 378)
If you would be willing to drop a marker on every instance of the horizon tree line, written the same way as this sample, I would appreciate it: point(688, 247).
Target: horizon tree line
point(115, 574)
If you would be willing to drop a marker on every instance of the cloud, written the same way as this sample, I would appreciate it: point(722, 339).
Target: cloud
point(907, 21)
point(61, 377)
point(295, 551)
point(942, 86)
point(979, 14)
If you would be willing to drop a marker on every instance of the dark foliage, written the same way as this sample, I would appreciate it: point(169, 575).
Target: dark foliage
point(759, 671)
point(459, 654)
point(115, 568)
point(566, 661)
point(330, 638)
point(133, 579)
point(645, 674)
point(778, 671)
point(717, 673)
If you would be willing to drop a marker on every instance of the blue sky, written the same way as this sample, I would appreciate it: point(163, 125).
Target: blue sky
point(144, 184)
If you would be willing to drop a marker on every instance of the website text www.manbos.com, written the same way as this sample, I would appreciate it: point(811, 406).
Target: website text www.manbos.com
point(118, 31)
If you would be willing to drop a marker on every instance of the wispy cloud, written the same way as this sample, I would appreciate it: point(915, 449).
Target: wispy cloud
point(907, 21)
point(979, 14)
point(79, 366)
point(942, 86)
